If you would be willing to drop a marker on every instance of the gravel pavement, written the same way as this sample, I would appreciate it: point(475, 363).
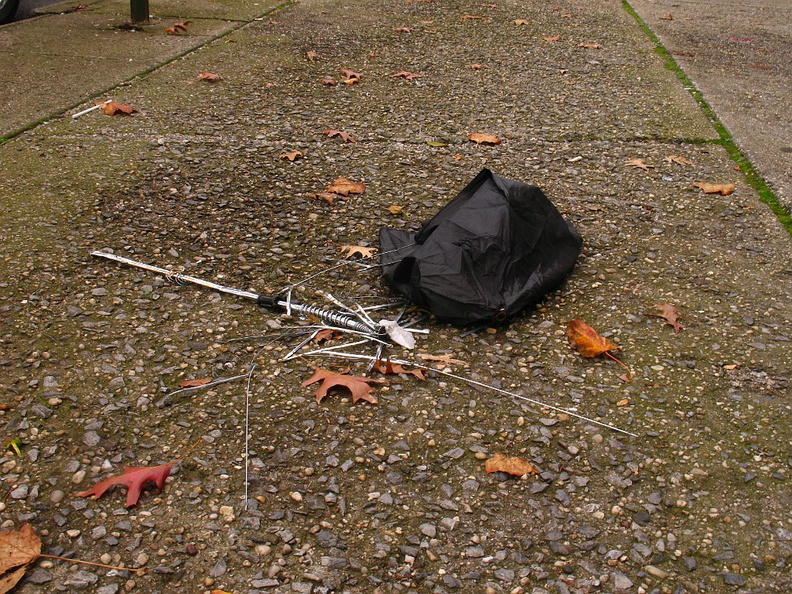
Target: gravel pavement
point(393, 496)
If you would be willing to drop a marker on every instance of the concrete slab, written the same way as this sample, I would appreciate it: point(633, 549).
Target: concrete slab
point(739, 56)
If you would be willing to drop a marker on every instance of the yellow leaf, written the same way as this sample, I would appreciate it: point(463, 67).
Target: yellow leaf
point(395, 209)
point(522, 22)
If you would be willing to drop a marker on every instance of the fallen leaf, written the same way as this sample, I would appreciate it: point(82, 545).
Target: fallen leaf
point(364, 252)
point(590, 45)
point(475, 66)
point(112, 108)
point(350, 81)
point(15, 445)
point(670, 314)
point(623, 402)
point(588, 341)
point(638, 164)
point(344, 187)
point(312, 56)
point(395, 209)
point(406, 75)
point(134, 478)
point(195, 382)
point(445, 360)
point(509, 464)
point(730, 367)
point(345, 136)
point(6, 406)
point(552, 38)
point(722, 189)
point(326, 335)
point(18, 549)
point(668, 17)
point(481, 138)
point(207, 76)
point(386, 367)
point(404, 29)
point(328, 81)
point(327, 197)
point(437, 143)
point(471, 16)
point(291, 156)
point(174, 29)
point(678, 159)
point(358, 386)
point(348, 74)
point(522, 22)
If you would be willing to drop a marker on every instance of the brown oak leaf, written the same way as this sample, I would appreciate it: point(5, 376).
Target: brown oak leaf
point(387, 367)
point(522, 22)
point(638, 164)
point(722, 189)
point(481, 138)
point(18, 549)
point(590, 45)
point(509, 464)
point(175, 28)
point(112, 108)
point(311, 55)
point(552, 38)
point(345, 136)
point(670, 313)
point(326, 335)
point(207, 76)
point(358, 386)
point(291, 155)
point(403, 29)
point(678, 159)
point(328, 81)
point(406, 75)
point(364, 252)
point(134, 478)
point(344, 187)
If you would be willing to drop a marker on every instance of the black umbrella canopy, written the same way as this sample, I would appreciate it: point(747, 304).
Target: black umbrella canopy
point(496, 248)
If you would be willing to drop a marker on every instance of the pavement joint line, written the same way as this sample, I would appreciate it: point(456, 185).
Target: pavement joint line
point(751, 175)
point(240, 24)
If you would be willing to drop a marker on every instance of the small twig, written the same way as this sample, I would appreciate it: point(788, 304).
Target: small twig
point(630, 374)
point(93, 564)
point(187, 453)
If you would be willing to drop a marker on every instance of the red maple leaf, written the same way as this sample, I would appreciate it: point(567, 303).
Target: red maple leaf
point(134, 478)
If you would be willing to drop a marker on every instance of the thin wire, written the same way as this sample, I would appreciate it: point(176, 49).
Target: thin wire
point(222, 380)
point(247, 431)
point(488, 387)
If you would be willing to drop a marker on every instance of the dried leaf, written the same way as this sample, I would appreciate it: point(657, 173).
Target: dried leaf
point(350, 73)
point(386, 367)
point(668, 17)
point(522, 22)
point(670, 314)
point(195, 382)
point(471, 16)
point(638, 164)
point(590, 45)
point(208, 77)
point(345, 136)
point(509, 464)
point(588, 341)
point(403, 29)
point(722, 189)
point(678, 159)
point(358, 386)
point(311, 56)
point(552, 38)
point(344, 187)
point(328, 197)
point(174, 29)
point(364, 252)
point(134, 478)
point(327, 335)
point(475, 66)
point(406, 75)
point(291, 156)
point(112, 108)
point(395, 209)
point(481, 138)
point(18, 549)
point(623, 402)
point(328, 81)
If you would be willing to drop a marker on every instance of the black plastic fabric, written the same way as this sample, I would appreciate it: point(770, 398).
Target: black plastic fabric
point(496, 248)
